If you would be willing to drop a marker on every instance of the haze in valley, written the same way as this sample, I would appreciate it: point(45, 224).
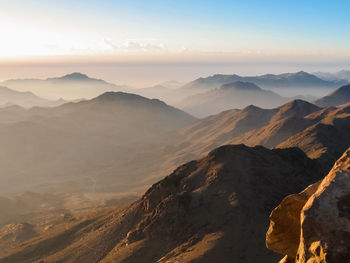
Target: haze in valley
point(187, 131)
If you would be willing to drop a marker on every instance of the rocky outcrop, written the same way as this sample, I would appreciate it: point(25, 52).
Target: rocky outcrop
point(13, 234)
point(314, 225)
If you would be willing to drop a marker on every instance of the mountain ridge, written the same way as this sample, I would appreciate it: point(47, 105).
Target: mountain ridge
point(71, 86)
point(232, 95)
point(338, 97)
point(300, 78)
point(319, 132)
point(231, 176)
point(25, 99)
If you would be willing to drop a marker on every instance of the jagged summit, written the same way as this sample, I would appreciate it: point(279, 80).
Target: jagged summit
point(252, 108)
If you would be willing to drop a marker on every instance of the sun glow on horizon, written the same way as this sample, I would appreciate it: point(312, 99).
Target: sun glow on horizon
point(44, 28)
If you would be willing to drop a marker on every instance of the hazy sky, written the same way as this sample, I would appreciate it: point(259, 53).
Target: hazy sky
point(110, 38)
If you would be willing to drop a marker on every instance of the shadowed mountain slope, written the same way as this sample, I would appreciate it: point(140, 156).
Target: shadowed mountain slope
point(252, 126)
point(319, 132)
point(327, 138)
point(338, 97)
point(215, 207)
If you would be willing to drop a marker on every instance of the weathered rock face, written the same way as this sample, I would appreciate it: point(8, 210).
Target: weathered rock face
point(284, 232)
point(314, 225)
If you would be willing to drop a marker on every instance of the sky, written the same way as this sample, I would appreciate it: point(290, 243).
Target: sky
point(141, 42)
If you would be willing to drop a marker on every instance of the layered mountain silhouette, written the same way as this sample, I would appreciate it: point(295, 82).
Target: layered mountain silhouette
point(215, 207)
point(336, 98)
point(113, 135)
point(287, 80)
point(70, 87)
point(96, 138)
point(319, 132)
point(27, 99)
point(232, 95)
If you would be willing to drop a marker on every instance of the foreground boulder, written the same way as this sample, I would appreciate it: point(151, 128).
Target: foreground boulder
point(314, 225)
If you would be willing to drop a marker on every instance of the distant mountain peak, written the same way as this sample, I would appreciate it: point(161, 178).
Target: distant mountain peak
point(297, 103)
point(301, 72)
point(75, 76)
point(251, 108)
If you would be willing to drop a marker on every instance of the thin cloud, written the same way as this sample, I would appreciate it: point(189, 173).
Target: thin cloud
point(136, 46)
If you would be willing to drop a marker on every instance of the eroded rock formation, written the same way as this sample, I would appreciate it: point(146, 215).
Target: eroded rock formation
point(314, 225)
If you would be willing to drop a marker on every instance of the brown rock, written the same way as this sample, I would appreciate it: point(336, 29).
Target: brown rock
point(284, 232)
point(314, 225)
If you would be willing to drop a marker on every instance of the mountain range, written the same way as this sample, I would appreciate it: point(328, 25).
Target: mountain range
point(95, 139)
point(226, 173)
point(269, 81)
point(319, 132)
point(234, 95)
point(69, 87)
point(77, 86)
point(24, 99)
